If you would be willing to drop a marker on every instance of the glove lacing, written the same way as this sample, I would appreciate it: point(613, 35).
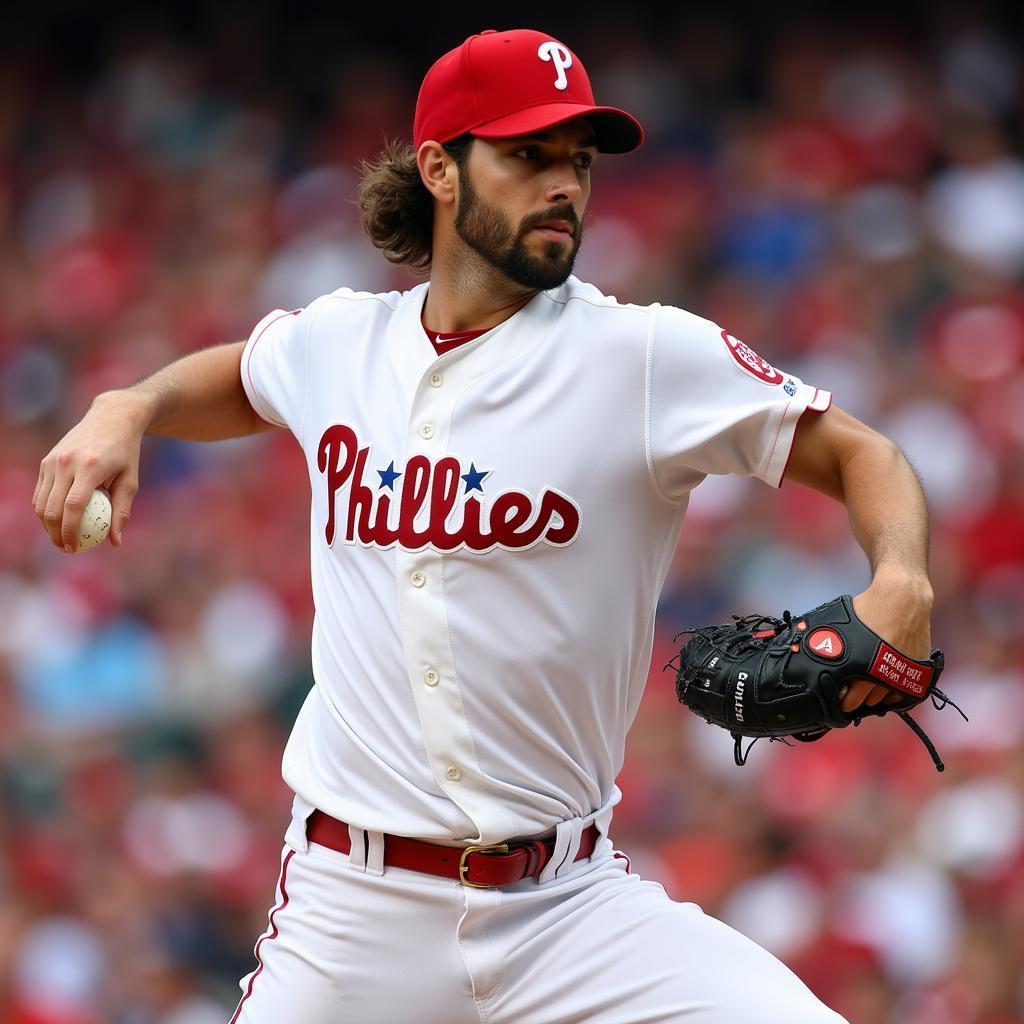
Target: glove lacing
point(939, 701)
point(741, 639)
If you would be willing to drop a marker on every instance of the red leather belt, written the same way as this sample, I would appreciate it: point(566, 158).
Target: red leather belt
point(480, 867)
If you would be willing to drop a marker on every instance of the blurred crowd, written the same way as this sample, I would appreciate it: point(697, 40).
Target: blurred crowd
point(849, 203)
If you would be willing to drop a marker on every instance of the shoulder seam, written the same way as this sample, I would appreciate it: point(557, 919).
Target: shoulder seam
point(305, 397)
point(363, 297)
point(629, 307)
point(648, 388)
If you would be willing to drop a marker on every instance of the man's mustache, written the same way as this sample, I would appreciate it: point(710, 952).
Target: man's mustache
point(566, 213)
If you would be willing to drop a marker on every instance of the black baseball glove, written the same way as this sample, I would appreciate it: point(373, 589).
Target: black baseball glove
point(784, 678)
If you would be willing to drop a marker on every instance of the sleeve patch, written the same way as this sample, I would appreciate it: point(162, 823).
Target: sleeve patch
point(747, 359)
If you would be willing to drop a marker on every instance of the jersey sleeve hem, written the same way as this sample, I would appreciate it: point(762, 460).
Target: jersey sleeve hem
point(820, 401)
point(782, 448)
point(255, 400)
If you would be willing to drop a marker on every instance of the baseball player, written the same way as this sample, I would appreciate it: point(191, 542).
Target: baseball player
point(500, 461)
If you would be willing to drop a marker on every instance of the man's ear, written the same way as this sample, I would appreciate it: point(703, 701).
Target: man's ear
point(438, 171)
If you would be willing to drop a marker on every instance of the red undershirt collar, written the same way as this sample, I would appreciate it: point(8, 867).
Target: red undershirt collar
point(447, 342)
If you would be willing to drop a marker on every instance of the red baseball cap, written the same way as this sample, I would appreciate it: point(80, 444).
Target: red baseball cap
point(500, 84)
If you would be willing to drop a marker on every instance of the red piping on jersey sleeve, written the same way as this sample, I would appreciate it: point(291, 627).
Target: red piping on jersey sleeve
point(811, 407)
point(820, 400)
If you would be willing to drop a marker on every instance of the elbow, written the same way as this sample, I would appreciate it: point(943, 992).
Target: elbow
point(881, 450)
point(871, 458)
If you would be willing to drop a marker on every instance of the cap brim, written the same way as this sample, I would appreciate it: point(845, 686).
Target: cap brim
point(616, 131)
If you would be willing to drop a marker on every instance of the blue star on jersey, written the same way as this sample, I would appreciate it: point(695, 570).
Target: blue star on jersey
point(475, 478)
point(388, 477)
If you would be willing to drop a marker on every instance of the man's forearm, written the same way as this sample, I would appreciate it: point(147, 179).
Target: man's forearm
point(197, 398)
point(887, 510)
point(844, 458)
point(889, 518)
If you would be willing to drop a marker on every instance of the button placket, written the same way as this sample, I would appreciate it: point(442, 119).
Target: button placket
point(424, 618)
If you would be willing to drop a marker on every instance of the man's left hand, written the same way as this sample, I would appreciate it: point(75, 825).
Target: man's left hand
point(898, 607)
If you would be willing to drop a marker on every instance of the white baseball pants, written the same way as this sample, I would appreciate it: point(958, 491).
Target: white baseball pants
point(597, 945)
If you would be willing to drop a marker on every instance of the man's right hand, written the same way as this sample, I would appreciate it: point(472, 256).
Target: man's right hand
point(101, 451)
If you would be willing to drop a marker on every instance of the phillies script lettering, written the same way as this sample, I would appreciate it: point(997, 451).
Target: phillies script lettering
point(428, 509)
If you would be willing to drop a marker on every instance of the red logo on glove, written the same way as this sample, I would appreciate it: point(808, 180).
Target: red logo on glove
point(826, 643)
point(898, 672)
point(750, 361)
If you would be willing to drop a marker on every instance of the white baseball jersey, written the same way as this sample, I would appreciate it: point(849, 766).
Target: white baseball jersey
point(490, 531)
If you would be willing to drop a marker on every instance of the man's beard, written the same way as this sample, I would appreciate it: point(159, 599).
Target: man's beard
point(486, 230)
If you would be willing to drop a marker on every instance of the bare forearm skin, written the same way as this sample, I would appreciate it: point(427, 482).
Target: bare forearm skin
point(889, 518)
point(887, 509)
point(839, 456)
point(844, 458)
point(197, 398)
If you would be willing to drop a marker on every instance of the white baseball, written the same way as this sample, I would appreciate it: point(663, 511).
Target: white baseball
point(95, 521)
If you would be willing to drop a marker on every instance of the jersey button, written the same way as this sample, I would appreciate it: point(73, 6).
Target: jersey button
point(431, 678)
point(436, 380)
point(453, 773)
point(417, 579)
point(427, 430)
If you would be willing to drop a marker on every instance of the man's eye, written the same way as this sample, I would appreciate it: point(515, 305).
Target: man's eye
point(584, 160)
point(528, 152)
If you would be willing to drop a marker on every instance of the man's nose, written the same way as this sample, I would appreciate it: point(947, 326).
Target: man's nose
point(563, 186)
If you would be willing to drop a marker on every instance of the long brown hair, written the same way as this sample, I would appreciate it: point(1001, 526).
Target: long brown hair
point(397, 209)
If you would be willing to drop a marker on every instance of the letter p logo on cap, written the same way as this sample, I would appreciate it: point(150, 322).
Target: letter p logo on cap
point(560, 57)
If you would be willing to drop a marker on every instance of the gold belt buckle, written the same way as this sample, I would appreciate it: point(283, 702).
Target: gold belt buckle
point(464, 867)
